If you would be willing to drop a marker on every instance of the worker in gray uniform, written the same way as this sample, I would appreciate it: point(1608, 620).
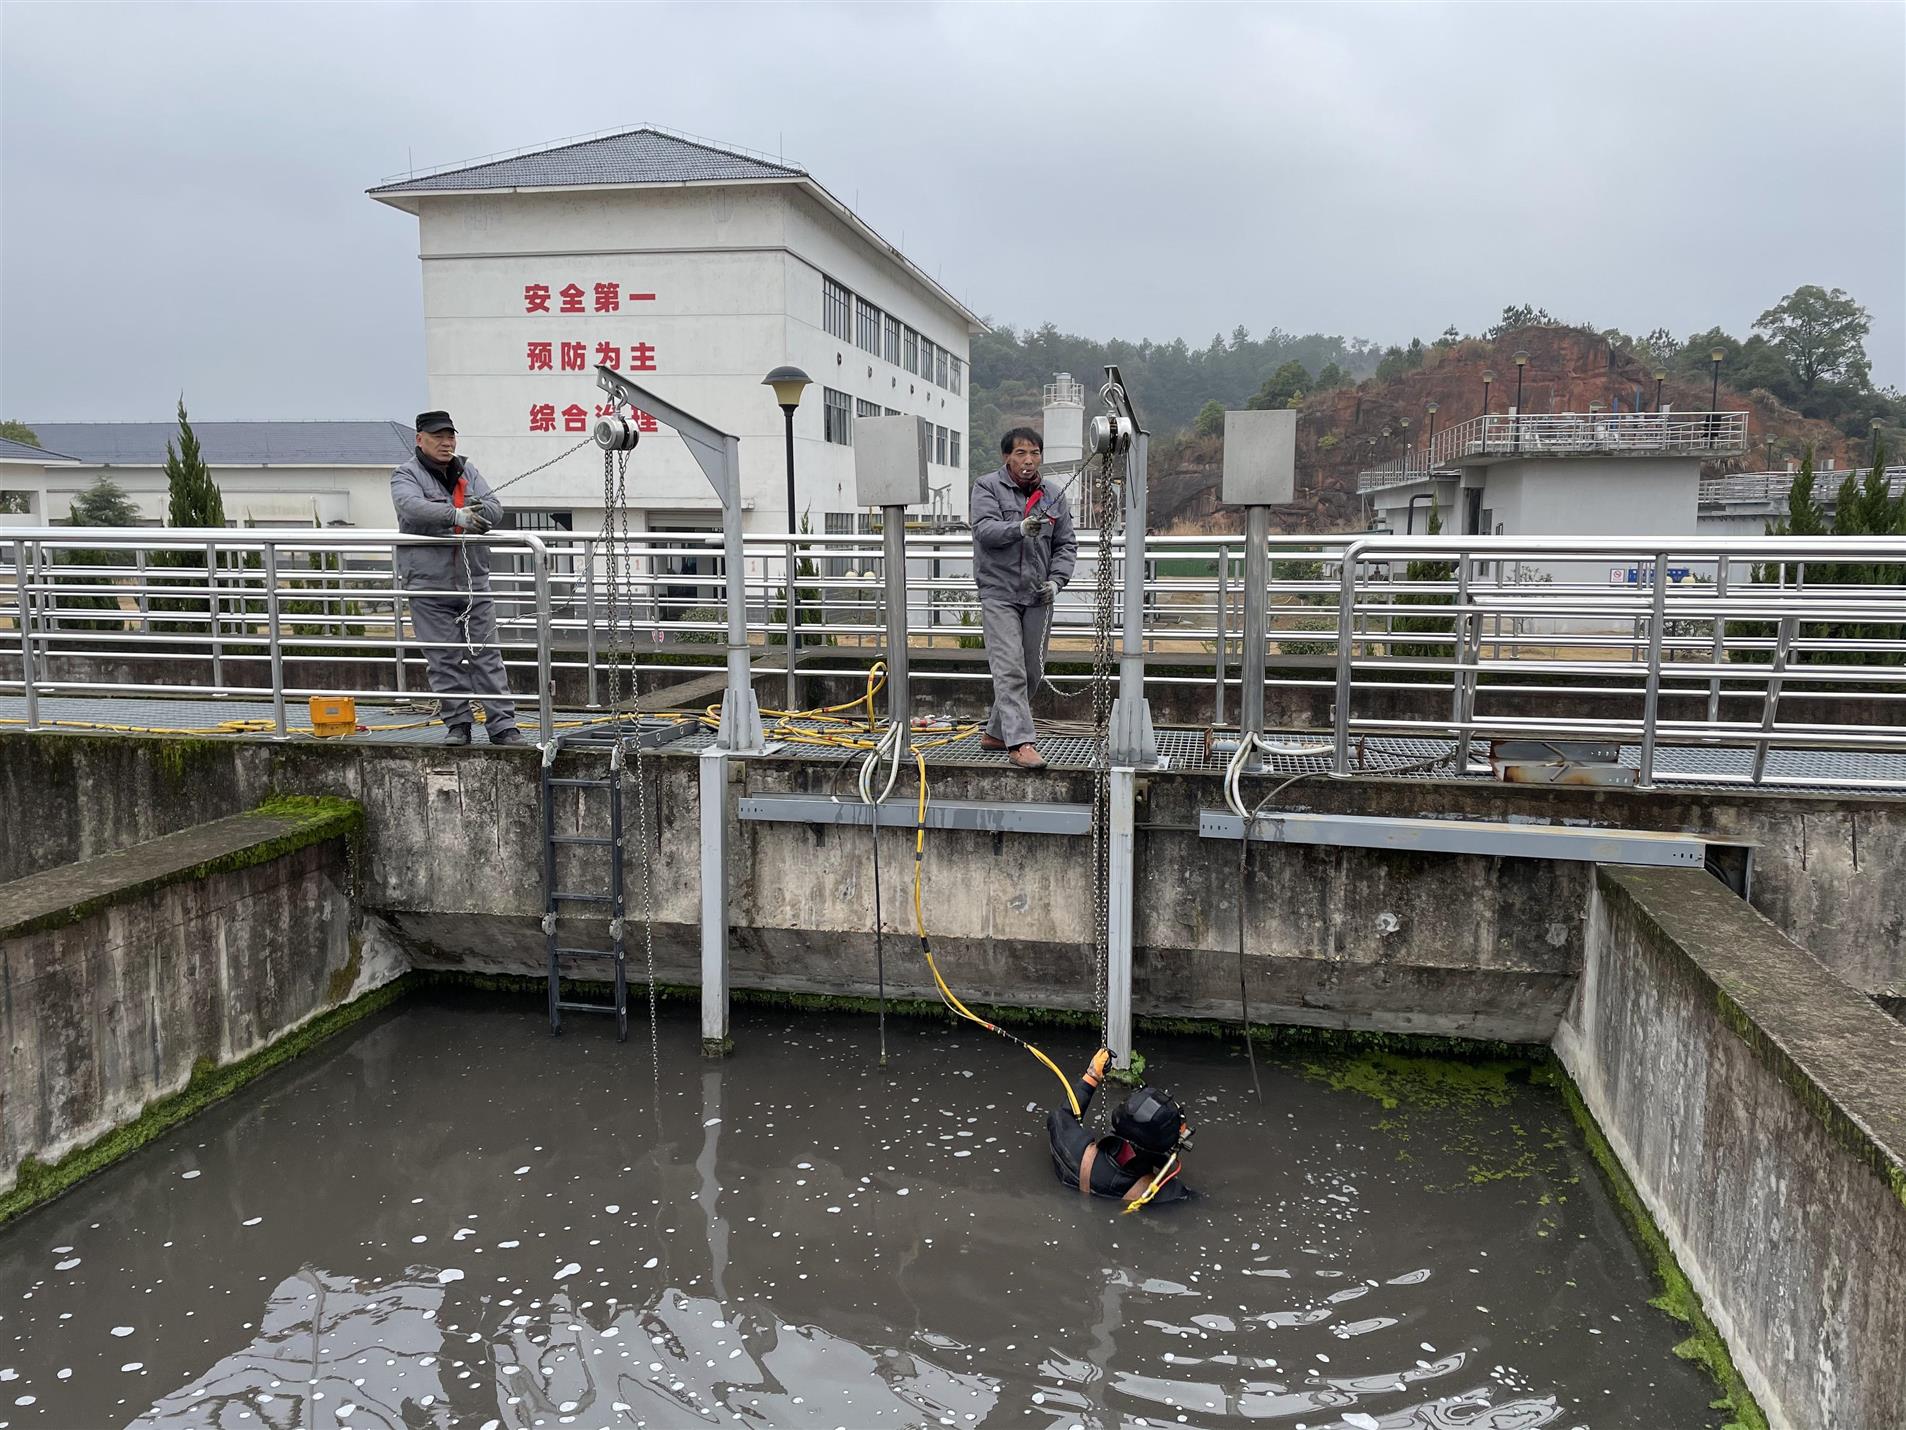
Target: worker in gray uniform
point(1024, 550)
point(438, 493)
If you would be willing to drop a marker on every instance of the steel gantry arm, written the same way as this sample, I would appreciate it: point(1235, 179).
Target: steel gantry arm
point(718, 454)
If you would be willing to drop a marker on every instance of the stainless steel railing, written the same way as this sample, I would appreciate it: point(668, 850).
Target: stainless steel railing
point(1367, 637)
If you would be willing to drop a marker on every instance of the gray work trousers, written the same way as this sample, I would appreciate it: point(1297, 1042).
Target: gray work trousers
point(1014, 635)
point(453, 670)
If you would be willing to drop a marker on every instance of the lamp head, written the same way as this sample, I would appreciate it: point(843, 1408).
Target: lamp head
point(788, 384)
point(1522, 357)
point(1488, 376)
point(1718, 355)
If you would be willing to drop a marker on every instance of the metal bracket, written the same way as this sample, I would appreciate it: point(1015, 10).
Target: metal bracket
point(1450, 836)
point(978, 815)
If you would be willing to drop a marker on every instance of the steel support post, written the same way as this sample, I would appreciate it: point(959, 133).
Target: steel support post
point(144, 601)
point(893, 537)
point(792, 694)
point(1224, 616)
point(714, 875)
point(1651, 701)
point(1121, 855)
point(1346, 642)
point(740, 712)
point(277, 648)
point(218, 617)
point(589, 614)
point(1257, 619)
point(1133, 740)
point(24, 617)
point(1720, 640)
point(545, 685)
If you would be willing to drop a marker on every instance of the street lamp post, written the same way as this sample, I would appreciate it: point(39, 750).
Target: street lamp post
point(1715, 355)
point(1522, 363)
point(1488, 376)
point(1403, 436)
point(1429, 459)
point(788, 384)
point(1661, 376)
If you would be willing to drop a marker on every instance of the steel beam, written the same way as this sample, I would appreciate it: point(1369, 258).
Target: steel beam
point(1451, 836)
point(714, 900)
point(976, 815)
point(1257, 601)
point(1132, 738)
point(1121, 858)
point(893, 537)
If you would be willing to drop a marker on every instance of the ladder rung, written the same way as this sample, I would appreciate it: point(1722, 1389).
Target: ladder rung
point(587, 1007)
point(580, 839)
point(580, 784)
point(583, 898)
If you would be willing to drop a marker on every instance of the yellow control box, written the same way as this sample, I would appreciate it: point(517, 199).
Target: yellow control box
point(333, 715)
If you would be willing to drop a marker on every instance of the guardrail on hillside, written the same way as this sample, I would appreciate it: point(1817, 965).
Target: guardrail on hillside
point(1443, 637)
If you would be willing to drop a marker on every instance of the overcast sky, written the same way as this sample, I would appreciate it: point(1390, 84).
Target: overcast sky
point(182, 187)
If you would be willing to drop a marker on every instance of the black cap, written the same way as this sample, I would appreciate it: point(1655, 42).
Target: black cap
point(435, 422)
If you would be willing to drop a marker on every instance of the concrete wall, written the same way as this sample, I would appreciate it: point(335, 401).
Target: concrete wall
point(1759, 1106)
point(1358, 937)
point(123, 971)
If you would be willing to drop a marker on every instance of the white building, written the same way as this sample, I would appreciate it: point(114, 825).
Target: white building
point(694, 269)
point(268, 473)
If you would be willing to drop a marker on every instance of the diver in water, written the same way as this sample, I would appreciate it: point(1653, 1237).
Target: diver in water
point(1139, 1162)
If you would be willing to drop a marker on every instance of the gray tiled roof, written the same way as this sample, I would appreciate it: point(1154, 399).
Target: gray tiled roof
point(639, 156)
point(12, 451)
point(283, 444)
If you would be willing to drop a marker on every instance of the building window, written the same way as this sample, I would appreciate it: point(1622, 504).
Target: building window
point(953, 441)
point(939, 366)
point(893, 340)
point(893, 412)
point(953, 371)
point(864, 408)
point(837, 417)
point(836, 310)
point(870, 523)
point(868, 335)
point(926, 358)
point(839, 523)
point(939, 445)
point(912, 349)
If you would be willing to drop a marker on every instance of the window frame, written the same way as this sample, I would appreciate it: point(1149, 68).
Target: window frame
point(837, 417)
point(837, 309)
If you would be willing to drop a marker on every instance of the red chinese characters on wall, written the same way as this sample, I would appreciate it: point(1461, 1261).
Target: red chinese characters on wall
point(581, 352)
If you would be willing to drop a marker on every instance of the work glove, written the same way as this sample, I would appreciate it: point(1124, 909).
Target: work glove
point(471, 521)
point(1048, 592)
point(1032, 526)
point(1100, 1061)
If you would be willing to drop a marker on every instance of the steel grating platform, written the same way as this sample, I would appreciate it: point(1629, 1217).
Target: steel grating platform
point(398, 721)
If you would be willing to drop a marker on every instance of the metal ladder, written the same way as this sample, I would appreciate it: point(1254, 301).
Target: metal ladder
point(560, 902)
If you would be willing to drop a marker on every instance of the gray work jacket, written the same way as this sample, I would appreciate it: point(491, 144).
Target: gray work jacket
point(1008, 565)
point(422, 499)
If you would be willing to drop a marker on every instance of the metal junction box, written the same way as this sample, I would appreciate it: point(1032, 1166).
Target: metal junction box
point(890, 461)
point(1260, 458)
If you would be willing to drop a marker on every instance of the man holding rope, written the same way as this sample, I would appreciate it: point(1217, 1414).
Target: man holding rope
point(438, 493)
point(1024, 550)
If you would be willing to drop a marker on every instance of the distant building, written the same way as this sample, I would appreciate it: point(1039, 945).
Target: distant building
point(269, 473)
point(695, 269)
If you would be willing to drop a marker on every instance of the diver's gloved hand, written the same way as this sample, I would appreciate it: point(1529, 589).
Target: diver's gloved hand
point(1032, 526)
point(1101, 1060)
point(1048, 592)
point(472, 520)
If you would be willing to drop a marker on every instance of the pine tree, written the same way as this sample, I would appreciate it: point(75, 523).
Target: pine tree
point(193, 501)
point(194, 498)
point(104, 503)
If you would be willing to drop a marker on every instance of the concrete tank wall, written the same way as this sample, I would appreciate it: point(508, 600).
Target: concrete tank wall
point(1759, 1105)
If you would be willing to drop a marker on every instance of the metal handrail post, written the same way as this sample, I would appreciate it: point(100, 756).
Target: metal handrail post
point(545, 689)
point(1719, 652)
point(25, 618)
point(272, 631)
point(1459, 676)
point(142, 600)
point(793, 625)
point(1224, 600)
point(1346, 609)
point(1651, 702)
point(1770, 705)
point(589, 615)
point(893, 529)
point(218, 614)
point(1257, 602)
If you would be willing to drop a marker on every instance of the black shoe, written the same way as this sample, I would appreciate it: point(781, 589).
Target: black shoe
point(511, 736)
point(456, 734)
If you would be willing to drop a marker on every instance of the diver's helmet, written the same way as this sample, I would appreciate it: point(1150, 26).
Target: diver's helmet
point(1152, 1122)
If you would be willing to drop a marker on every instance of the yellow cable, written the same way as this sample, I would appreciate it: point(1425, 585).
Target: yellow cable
point(1164, 1175)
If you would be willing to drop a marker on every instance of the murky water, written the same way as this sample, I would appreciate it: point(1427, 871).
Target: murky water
point(445, 1218)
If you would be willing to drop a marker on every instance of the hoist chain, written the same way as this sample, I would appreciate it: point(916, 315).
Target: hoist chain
point(542, 467)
